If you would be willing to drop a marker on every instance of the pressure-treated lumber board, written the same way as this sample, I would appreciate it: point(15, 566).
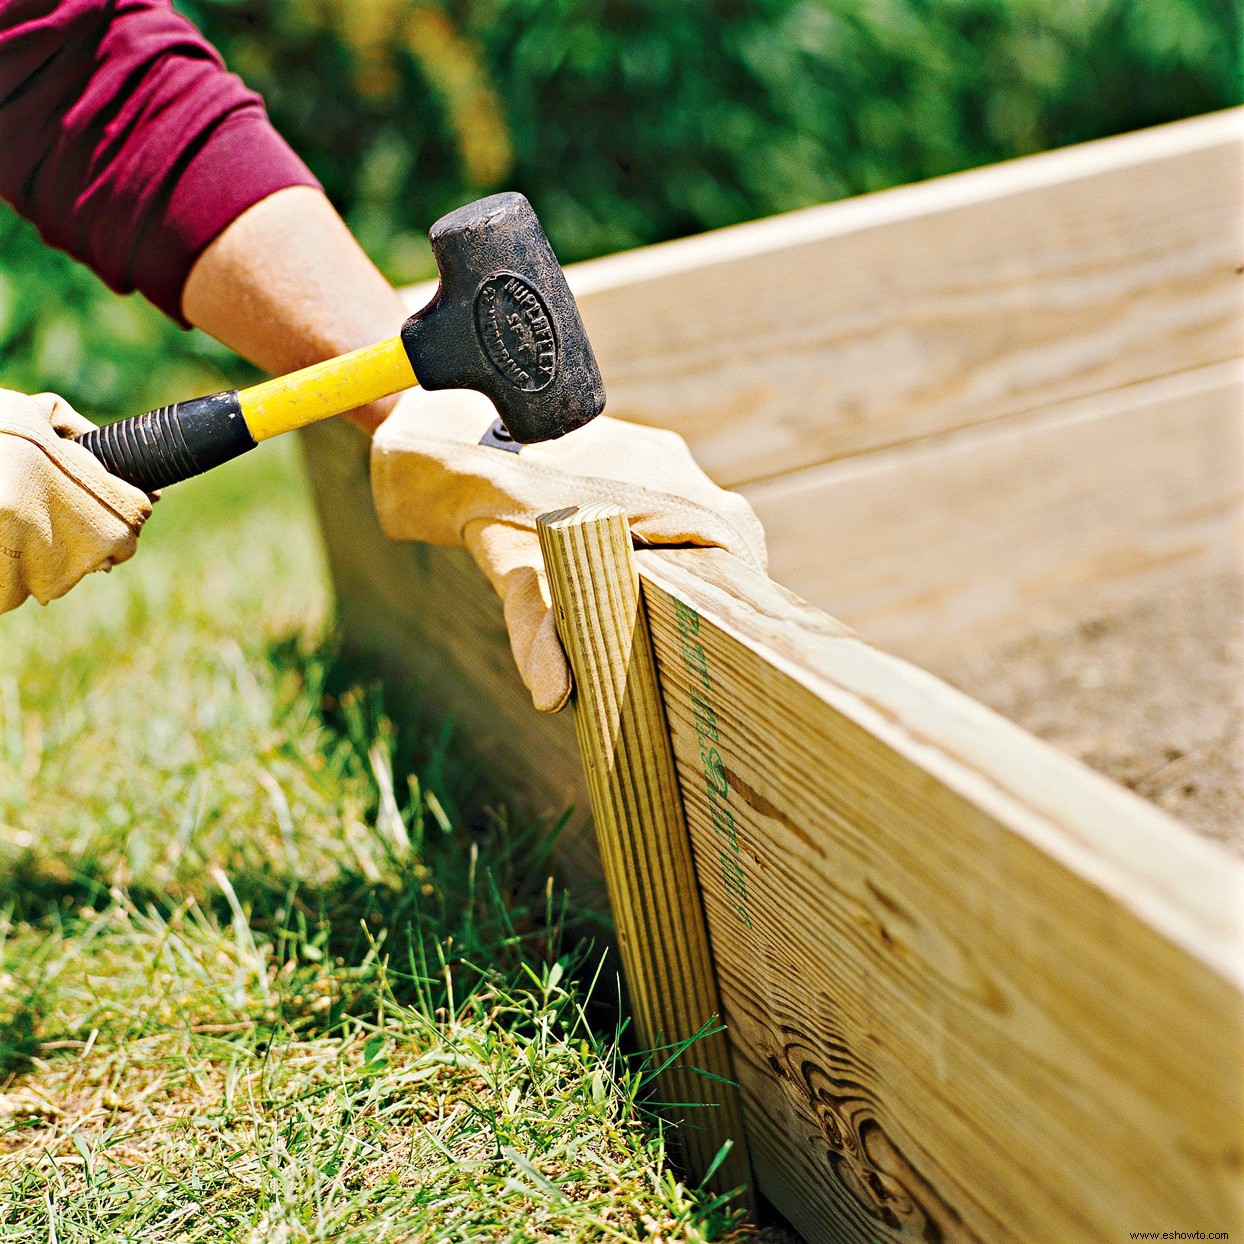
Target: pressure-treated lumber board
point(976, 992)
point(874, 321)
point(637, 808)
point(994, 531)
point(434, 622)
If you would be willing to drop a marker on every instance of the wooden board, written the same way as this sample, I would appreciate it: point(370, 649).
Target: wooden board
point(434, 623)
point(975, 992)
point(875, 321)
point(992, 532)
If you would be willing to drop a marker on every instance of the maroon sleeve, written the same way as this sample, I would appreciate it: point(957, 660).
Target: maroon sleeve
point(124, 138)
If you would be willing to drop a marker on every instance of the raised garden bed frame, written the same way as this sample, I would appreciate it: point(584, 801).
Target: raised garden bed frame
point(973, 990)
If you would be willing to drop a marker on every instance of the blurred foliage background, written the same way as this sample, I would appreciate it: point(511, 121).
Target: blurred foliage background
point(625, 122)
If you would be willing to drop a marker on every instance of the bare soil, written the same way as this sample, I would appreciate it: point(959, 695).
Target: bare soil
point(1151, 696)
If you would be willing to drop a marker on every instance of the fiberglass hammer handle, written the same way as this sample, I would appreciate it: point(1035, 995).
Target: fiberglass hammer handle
point(165, 446)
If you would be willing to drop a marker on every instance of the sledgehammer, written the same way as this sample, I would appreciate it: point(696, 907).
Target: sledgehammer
point(503, 321)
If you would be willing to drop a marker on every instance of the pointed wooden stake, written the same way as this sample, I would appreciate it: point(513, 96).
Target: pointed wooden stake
point(637, 806)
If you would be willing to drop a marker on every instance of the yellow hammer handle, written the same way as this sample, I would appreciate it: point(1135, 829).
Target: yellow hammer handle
point(324, 389)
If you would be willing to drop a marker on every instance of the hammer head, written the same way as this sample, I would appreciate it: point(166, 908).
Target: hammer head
point(505, 322)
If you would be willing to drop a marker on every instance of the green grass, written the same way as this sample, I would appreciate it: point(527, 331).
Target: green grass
point(271, 968)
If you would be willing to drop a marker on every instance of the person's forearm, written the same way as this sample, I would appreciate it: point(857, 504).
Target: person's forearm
point(127, 142)
point(130, 145)
point(286, 285)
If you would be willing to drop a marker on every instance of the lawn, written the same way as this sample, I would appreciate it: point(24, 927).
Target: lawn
point(271, 968)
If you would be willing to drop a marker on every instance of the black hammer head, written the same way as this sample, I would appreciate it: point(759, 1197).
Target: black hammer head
point(505, 322)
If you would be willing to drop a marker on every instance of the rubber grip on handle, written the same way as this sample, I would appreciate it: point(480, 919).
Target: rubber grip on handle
point(173, 443)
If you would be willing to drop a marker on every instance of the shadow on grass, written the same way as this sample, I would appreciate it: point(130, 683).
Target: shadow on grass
point(20, 1038)
point(460, 890)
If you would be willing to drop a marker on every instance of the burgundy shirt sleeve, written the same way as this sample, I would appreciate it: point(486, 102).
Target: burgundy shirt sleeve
point(124, 138)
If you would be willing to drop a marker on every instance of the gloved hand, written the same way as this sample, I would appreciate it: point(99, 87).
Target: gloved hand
point(61, 514)
point(432, 481)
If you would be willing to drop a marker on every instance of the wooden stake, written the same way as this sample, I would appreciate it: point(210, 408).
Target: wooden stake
point(649, 870)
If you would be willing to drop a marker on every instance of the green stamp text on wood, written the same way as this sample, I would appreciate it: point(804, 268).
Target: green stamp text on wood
point(716, 780)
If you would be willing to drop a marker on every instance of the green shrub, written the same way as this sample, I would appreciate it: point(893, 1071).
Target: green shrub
point(632, 121)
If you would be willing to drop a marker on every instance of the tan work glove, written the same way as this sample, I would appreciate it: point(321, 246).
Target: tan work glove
point(433, 481)
point(62, 514)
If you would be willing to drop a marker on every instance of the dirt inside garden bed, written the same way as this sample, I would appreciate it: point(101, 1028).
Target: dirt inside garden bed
point(1152, 696)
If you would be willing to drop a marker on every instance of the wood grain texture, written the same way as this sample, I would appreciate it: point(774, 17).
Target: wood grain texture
point(644, 847)
point(875, 321)
point(976, 992)
point(992, 532)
